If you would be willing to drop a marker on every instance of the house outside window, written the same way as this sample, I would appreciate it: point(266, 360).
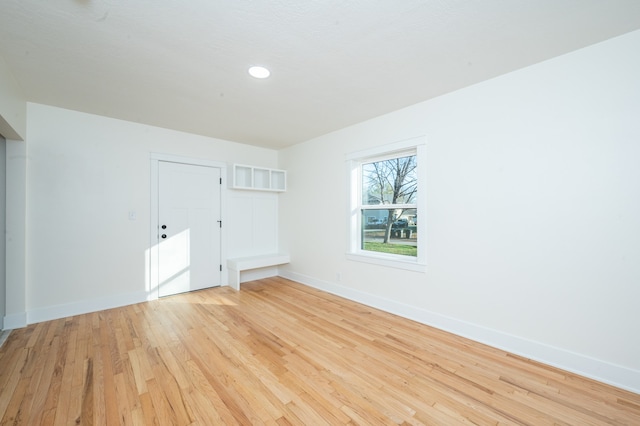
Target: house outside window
point(385, 202)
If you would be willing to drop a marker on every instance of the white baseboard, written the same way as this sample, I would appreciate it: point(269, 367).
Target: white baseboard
point(602, 371)
point(13, 321)
point(84, 307)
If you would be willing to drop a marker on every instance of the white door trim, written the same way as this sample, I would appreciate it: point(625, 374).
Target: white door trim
point(151, 275)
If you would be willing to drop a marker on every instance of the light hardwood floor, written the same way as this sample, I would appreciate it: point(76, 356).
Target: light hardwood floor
point(280, 353)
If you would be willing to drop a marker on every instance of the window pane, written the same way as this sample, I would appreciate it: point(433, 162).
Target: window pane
point(393, 231)
point(392, 181)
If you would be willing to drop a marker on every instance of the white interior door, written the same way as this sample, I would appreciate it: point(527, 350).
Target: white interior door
point(189, 219)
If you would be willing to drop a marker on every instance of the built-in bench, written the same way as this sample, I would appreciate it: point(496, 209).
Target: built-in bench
point(240, 264)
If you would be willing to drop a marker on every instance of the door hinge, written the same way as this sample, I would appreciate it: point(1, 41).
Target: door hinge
point(220, 268)
point(220, 222)
point(220, 181)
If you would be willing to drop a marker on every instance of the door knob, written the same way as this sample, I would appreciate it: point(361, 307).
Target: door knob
point(164, 235)
point(164, 226)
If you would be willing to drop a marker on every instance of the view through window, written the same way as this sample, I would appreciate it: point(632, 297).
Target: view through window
point(388, 205)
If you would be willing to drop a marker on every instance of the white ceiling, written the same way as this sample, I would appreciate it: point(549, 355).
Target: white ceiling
point(183, 64)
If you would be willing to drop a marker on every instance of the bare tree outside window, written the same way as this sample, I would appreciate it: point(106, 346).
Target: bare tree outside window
point(389, 193)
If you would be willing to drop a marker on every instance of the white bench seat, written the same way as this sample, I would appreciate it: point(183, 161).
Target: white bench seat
point(239, 264)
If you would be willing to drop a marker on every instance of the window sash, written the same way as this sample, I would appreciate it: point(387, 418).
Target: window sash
point(357, 208)
point(387, 206)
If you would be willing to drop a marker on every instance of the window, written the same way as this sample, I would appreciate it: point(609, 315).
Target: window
point(385, 204)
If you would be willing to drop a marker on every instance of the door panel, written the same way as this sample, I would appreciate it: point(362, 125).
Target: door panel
point(189, 245)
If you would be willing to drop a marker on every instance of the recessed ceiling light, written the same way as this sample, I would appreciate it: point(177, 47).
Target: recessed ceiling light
point(259, 72)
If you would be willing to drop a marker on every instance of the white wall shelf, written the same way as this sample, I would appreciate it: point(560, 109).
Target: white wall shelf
point(258, 178)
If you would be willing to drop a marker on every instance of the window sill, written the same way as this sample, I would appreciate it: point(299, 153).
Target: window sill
point(409, 265)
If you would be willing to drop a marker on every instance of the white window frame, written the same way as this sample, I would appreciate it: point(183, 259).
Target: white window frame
point(354, 162)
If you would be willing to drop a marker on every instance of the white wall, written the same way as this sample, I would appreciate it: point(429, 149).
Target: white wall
point(255, 229)
point(16, 234)
point(252, 222)
point(533, 217)
point(85, 173)
point(13, 106)
point(13, 113)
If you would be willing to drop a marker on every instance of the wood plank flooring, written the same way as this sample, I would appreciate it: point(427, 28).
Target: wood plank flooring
point(280, 353)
